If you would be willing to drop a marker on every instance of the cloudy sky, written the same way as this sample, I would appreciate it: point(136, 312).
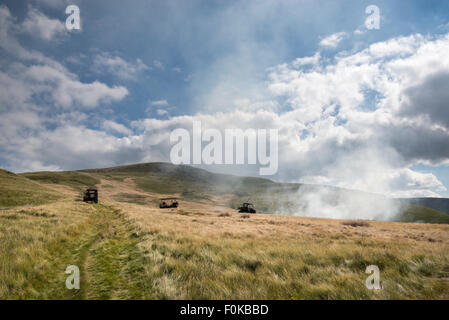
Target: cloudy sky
point(357, 108)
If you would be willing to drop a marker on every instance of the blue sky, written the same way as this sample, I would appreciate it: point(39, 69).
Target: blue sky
point(146, 67)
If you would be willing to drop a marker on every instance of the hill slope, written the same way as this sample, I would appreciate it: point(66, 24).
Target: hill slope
point(16, 190)
point(194, 184)
point(440, 204)
point(285, 198)
point(128, 248)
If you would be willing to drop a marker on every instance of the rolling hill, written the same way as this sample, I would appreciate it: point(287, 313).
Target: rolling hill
point(440, 204)
point(18, 190)
point(126, 247)
point(194, 184)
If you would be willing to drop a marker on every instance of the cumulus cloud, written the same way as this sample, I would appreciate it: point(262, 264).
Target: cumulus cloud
point(333, 40)
point(37, 23)
point(161, 112)
point(37, 92)
point(159, 103)
point(159, 108)
point(113, 126)
point(359, 120)
point(35, 75)
point(313, 60)
point(75, 147)
point(66, 90)
point(118, 66)
point(158, 64)
point(369, 115)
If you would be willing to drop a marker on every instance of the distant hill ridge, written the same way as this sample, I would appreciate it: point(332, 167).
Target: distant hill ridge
point(196, 184)
point(440, 204)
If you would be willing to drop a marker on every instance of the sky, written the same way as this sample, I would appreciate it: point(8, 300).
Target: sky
point(358, 108)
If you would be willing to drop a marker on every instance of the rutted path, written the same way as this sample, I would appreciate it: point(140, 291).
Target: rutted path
point(111, 263)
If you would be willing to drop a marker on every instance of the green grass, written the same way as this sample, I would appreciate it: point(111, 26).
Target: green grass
point(183, 267)
point(132, 198)
point(37, 246)
point(167, 178)
point(416, 213)
point(166, 259)
point(77, 180)
point(115, 264)
point(16, 190)
point(117, 260)
point(199, 185)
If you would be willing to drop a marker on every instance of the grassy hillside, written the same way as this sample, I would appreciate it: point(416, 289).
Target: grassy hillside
point(128, 248)
point(417, 213)
point(16, 190)
point(168, 178)
point(73, 179)
point(196, 184)
point(440, 204)
point(270, 197)
point(38, 243)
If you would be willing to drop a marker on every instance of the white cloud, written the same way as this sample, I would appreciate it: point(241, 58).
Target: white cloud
point(160, 103)
point(371, 114)
point(359, 31)
point(333, 40)
point(158, 64)
point(158, 108)
point(352, 122)
point(37, 92)
point(36, 23)
point(161, 112)
point(118, 66)
point(66, 90)
point(47, 76)
point(113, 126)
point(313, 60)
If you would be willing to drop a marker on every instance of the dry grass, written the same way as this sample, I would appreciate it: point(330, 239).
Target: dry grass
point(17, 190)
point(283, 257)
point(134, 250)
point(34, 244)
point(356, 223)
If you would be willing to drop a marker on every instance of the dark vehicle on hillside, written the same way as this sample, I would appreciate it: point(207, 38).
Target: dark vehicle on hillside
point(168, 203)
point(91, 194)
point(247, 207)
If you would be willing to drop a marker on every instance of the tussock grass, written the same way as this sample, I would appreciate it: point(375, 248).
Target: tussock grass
point(356, 223)
point(36, 247)
point(198, 185)
point(202, 250)
point(39, 243)
point(417, 213)
point(16, 190)
point(74, 179)
point(132, 198)
point(233, 268)
point(210, 257)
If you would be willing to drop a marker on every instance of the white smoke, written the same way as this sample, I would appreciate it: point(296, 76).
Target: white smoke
point(363, 181)
point(328, 203)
